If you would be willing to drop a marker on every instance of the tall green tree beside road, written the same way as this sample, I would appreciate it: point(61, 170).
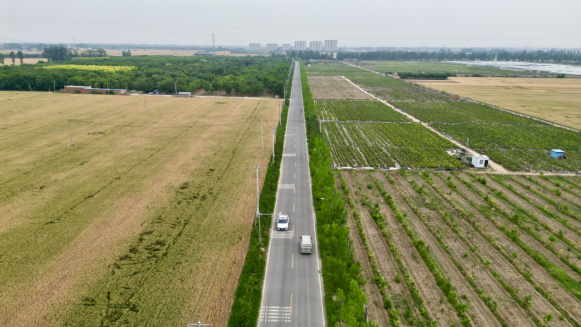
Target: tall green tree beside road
point(2, 59)
point(13, 56)
point(20, 56)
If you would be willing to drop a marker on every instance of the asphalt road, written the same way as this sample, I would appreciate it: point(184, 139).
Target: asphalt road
point(293, 291)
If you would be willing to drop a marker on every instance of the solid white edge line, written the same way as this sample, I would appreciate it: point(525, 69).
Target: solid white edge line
point(319, 263)
point(275, 210)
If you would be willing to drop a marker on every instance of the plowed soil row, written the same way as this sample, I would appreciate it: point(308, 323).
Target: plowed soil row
point(376, 311)
point(439, 309)
point(508, 309)
point(523, 235)
point(470, 201)
point(477, 309)
point(554, 226)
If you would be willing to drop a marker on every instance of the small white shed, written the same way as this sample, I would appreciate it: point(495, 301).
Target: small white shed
point(184, 94)
point(480, 161)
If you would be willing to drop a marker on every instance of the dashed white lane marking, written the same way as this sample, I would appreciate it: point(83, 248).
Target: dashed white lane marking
point(289, 155)
point(286, 186)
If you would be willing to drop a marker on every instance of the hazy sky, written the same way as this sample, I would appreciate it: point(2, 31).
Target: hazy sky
point(506, 23)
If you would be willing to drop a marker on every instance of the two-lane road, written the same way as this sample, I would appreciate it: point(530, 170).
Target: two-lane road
point(293, 291)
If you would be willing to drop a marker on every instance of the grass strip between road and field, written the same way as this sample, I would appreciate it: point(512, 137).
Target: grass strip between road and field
point(342, 278)
point(246, 306)
point(381, 283)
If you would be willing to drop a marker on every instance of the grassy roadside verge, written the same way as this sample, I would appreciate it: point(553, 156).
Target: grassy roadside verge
point(246, 306)
point(342, 278)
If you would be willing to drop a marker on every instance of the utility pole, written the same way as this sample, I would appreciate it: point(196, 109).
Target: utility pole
point(198, 324)
point(213, 42)
point(145, 103)
point(71, 131)
point(257, 198)
point(467, 139)
point(107, 88)
point(261, 136)
point(176, 86)
point(279, 113)
point(53, 86)
point(273, 129)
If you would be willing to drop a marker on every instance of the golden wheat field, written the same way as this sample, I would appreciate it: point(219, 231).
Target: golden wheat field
point(145, 223)
point(553, 99)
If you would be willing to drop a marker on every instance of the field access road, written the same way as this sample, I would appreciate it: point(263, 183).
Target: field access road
point(293, 287)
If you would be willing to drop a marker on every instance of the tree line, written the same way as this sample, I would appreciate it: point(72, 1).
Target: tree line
point(561, 56)
point(241, 75)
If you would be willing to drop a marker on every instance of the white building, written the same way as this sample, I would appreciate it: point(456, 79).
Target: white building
point(331, 45)
point(271, 47)
point(300, 45)
point(286, 47)
point(480, 161)
point(316, 46)
point(254, 47)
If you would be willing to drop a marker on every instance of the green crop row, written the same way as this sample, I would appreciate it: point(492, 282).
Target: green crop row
point(528, 276)
point(383, 144)
point(558, 274)
point(461, 112)
point(445, 285)
point(520, 147)
point(400, 264)
point(366, 110)
point(391, 89)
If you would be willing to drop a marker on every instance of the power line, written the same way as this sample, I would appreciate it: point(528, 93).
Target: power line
point(337, 37)
point(297, 28)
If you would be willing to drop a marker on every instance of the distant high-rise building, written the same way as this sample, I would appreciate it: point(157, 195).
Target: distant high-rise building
point(316, 46)
point(286, 47)
point(254, 47)
point(300, 45)
point(331, 45)
point(271, 46)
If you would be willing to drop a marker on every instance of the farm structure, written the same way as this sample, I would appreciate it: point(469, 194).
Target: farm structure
point(148, 220)
point(480, 161)
point(557, 154)
point(91, 90)
point(456, 248)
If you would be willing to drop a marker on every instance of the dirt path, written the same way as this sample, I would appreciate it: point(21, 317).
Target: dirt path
point(492, 164)
point(508, 309)
point(375, 309)
point(478, 311)
point(539, 275)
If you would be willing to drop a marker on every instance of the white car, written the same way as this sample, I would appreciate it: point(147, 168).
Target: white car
point(283, 222)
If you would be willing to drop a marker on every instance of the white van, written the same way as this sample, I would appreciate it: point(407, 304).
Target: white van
point(306, 244)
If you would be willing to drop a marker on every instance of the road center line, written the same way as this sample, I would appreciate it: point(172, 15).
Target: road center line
point(293, 207)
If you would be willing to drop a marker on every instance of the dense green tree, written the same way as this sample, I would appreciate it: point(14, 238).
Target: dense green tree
point(2, 59)
point(12, 56)
point(56, 54)
point(20, 56)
